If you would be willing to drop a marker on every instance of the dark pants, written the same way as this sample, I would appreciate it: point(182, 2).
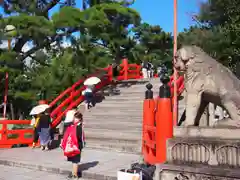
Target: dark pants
point(35, 135)
point(88, 97)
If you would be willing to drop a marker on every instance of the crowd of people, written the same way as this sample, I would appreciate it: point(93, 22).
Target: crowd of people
point(148, 70)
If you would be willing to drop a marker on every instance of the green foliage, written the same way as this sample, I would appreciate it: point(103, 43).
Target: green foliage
point(155, 45)
point(218, 31)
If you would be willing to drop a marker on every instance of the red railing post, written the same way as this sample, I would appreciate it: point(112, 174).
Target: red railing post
point(4, 132)
point(164, 121)
point(110, 73)
point(125, 69)
point(148, 127)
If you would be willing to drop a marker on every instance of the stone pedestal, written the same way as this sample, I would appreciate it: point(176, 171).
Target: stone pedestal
point(202, 154)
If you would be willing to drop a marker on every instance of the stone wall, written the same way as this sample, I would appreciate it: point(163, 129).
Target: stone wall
point(202, 154)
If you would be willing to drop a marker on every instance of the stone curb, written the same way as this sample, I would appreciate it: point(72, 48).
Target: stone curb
point(55, 170)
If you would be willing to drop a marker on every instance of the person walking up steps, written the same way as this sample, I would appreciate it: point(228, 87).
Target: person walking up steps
point(88, 97)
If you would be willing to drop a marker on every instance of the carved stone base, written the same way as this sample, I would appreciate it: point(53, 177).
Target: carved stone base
point(184, 172)
point(202, 154)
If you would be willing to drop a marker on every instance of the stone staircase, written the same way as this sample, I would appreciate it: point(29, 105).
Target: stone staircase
point(115, 124)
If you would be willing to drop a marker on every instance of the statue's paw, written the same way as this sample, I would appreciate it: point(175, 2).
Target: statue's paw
point(227, 122)
point(238, 112)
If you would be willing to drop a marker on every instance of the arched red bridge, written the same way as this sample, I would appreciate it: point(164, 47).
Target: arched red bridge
point(69, 99)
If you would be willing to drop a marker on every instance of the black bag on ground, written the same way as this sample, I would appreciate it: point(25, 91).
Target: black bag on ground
point(147, 170)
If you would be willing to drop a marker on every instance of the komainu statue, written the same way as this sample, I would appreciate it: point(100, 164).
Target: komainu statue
point(206, 81)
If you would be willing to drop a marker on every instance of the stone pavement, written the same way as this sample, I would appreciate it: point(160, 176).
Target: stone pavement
point(13, 173)
point(100, 165)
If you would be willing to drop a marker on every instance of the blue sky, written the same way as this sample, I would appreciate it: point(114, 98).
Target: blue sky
point(160, 12)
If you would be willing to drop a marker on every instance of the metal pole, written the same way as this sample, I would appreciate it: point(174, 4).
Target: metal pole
point(6, 86)
point(175, 76)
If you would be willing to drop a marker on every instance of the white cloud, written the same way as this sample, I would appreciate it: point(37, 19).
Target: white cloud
point(25, 48)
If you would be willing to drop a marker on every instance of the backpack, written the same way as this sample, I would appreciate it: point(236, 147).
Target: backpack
point(70, 143)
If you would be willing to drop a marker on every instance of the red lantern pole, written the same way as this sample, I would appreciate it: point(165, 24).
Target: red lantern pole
point(175, 100)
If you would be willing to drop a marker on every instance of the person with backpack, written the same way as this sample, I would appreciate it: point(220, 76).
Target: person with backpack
point(73, 143)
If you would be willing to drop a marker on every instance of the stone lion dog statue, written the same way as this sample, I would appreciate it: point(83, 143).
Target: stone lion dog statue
point(206, 81)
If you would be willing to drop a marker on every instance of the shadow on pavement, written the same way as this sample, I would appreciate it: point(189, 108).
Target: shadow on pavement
point(86, 166)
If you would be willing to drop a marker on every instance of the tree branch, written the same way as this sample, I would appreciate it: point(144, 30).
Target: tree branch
point(41, 63)
point(21, 42)
point(50, 6)
point(44, 43)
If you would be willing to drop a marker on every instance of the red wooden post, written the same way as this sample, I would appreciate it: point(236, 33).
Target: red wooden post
point(164, 122)
point(4, 132)
point(125, 67)
point(148, 129)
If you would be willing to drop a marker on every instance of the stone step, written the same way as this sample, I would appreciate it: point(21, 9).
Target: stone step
point(115, 112)
point(155, 86)
point(119, 103)
point(132, 98)
point(119, 126)
point(137, 91)
point(126, 104)
point(113, 135)
point(113, 124)
point(123, 115)
point(118, 107)
point(134, 148)
point(107, 119)
point(122, 98)
point(114, 117)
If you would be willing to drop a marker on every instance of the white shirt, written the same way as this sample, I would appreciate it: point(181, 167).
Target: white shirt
point(69, 116)
point(33, 121)
point(88, 89)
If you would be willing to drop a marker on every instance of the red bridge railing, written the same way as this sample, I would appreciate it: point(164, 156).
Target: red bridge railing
point(68, 99)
